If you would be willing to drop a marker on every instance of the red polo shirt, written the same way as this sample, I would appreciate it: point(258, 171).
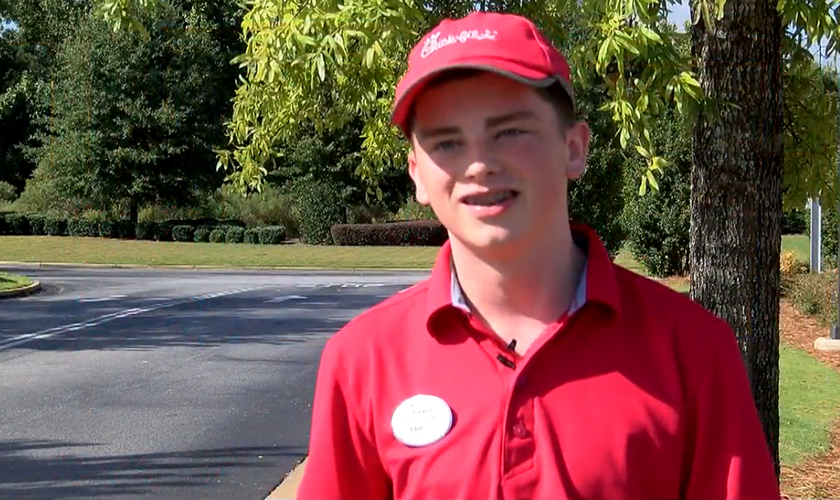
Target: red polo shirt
point(636, 393)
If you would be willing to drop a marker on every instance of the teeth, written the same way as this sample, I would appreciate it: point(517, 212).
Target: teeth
point(490, 198)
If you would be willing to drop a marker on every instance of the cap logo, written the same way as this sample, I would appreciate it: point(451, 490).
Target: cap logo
point(434, 42)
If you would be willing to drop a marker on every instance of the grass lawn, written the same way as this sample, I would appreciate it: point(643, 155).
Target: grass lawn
point(800, 244)
point(10, 281)
point(809, 403)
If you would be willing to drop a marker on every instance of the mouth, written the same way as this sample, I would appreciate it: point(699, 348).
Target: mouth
point(491, 198)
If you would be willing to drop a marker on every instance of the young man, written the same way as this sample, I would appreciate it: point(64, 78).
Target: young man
point(528, 365)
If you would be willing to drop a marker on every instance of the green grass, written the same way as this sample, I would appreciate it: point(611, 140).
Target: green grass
point(809, 403)
point(799, 244)
point(112, 251)
point(11, 281)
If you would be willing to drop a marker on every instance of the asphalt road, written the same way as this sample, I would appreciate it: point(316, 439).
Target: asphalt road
point(121, 384)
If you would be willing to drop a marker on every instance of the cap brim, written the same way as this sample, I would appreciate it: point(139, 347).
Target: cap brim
point(522, 75)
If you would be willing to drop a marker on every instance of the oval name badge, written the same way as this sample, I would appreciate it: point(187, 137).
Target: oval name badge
point(421, 420)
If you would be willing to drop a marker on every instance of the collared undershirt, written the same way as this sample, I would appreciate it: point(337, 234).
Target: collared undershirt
point(579, 300)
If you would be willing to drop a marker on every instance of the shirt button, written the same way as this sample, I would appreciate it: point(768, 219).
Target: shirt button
point(520, 431)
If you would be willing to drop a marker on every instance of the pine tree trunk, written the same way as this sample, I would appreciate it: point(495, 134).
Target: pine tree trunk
point(736, 190)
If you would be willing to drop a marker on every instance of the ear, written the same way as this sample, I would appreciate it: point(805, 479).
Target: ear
point(577, 146)
point(413, 171)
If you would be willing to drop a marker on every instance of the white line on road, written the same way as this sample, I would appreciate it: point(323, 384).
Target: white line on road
point(284, 298)
point(103, 299)
point(52, 332)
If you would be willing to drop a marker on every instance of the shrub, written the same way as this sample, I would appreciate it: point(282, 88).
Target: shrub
point(183, 233)
point(145, 230)
point(412, 210)
point(82, 227)
point(252, 235)
point(271, 235)
point(790, 265)
point(235, 234)
point(796, 221)
point(37, 224)
point(7, 192)
point(109, 229)
point(55, 226)
point(658, 222)
point(829, 235)
point(17, 224)
point(319, 206)
point(202, 234)
point(163, 231)
point(814, 294)
point(218, 235)
point(126, 229)
point(400, 233)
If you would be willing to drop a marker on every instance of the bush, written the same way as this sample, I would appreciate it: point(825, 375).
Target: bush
point(55, 226)
point(82, 227)
point(235, 234)
point(16, 224)
point(658, 222)
point(218, 235)
point(814, 294)
point(109, 229)
point(183, 233)
point(145, 230)
point(796, 221)
point(319, 206)
point(37, 224)
point(401, 233)
point(202, 234)
point(271, 235)
point(126, 229)
point(252, 235)
point(829, 235)
point(412, 210)
point(7, 192)
point(163, 231)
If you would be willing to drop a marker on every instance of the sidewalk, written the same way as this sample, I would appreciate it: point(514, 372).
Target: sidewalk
point(288, 487)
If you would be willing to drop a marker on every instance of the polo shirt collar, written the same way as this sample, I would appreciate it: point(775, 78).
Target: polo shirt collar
point(597, 284)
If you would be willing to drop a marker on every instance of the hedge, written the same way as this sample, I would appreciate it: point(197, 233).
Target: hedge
point(37, 225)
point(83, 227)
point(272, 235)
point(217, 235)
point(183, 233)
point(202, 234)
point(145, 230)
point(252, 235)
point(55, 226)
point(401, 233)
point(16, 224)
point(235, 234)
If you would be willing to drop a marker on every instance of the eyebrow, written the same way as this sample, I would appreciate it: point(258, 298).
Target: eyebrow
point(493, 121)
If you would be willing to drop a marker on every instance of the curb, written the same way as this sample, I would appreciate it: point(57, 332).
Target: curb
point(287, 490)
point(210, 267)
point(33, 287)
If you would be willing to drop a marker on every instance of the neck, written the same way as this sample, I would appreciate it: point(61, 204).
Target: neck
point(538, 284)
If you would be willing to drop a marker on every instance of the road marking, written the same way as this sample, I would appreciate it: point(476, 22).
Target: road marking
point(127, 313)
point(103, 299)
point(284, 298)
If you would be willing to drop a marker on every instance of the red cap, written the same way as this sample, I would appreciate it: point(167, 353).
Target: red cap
point(507, 44)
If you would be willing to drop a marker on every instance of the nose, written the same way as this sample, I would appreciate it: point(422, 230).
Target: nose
point(482, 163)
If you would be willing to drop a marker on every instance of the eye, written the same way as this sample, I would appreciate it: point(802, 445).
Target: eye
point(445, 145)
point(511, 132)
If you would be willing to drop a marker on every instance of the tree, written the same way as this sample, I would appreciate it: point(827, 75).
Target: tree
point(361, 46)
point(136, 121)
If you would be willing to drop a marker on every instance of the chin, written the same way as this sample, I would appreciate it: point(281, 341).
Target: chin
point(487, 239)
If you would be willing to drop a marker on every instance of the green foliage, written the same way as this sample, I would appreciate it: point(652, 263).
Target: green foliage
point(828, 245)
point(183, 233)
point(403, 233)
point(83, 227)
point(796, 221)
point(37, 224)
point(158, 108)
point(412, 210)
point(16, 224)
point(235, 235)
point(202, 234)
point(252, 236)
point(146, 230)
point(271, 235)
point(266, 208)
point(319, 205)
point(658, 223)
point(217, 235)
point(163, 231)
point(7, 192)
point(55, 226)
point(109, 229)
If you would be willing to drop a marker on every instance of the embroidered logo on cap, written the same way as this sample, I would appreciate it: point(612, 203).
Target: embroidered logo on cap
point(435, 43)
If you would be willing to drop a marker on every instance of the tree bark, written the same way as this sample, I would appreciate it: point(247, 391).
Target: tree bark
point(736, 190)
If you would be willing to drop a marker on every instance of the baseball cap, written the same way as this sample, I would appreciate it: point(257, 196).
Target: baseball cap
point(507, 44)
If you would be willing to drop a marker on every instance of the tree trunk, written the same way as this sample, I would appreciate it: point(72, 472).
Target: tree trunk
point(736, 190)
point(133, 211)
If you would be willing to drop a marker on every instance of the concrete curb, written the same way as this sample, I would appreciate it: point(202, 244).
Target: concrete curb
point(287, 490)
point(209, 267)
point(33, 287)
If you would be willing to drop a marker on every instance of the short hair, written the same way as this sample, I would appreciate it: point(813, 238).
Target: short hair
point(554, 94)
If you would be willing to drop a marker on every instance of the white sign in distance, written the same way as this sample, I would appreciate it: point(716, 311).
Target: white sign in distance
point(421, 420)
